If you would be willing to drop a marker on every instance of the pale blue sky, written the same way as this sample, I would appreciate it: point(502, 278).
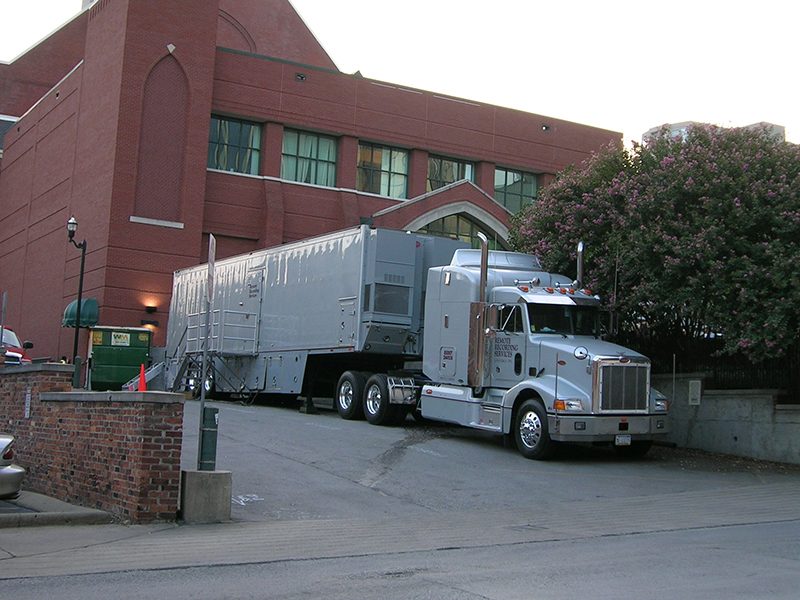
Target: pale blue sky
point(624, 65)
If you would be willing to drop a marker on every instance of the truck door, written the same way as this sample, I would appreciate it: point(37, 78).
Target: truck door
point(507, 354)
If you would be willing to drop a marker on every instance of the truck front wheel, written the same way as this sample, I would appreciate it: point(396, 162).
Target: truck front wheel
point(350, 394)
point(531, 432)
point(376, 401)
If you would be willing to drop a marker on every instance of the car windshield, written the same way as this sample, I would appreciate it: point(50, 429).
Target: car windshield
point(10, 339)
point(567, 320)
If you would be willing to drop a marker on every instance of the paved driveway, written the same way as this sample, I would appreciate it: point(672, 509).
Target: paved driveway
point(288, 465)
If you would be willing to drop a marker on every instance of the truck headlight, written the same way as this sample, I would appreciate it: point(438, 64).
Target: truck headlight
point(660, 405)
point(568, 404)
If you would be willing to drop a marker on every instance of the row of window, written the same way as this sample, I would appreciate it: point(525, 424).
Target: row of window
point(234, 145)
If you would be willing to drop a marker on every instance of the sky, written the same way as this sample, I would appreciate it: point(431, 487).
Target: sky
point(622, 65)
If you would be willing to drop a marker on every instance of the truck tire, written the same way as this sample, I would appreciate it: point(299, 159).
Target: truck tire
point(350, 394)
point(377, 409)
point(531, 431)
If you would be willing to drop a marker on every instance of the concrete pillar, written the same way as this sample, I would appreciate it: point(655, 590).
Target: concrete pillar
point(206, 496)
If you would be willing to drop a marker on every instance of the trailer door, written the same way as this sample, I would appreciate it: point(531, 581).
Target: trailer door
point(347, 326)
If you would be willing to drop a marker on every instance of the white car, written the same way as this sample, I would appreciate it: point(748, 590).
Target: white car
point(10, 474)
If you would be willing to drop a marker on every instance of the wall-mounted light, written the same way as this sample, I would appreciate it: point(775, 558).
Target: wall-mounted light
point(150, 309)
point(149, 322)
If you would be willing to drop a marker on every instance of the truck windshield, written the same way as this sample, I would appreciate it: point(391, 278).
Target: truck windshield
point(567, 320)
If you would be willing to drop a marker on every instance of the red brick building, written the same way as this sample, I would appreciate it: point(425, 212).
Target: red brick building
point(158, 122)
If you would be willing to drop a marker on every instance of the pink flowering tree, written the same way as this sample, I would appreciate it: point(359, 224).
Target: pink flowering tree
point(688, 237)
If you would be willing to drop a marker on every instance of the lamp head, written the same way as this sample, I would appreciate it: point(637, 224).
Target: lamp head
point(72, 227)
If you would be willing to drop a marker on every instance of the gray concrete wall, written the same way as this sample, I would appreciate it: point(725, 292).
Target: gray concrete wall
point(747, 423)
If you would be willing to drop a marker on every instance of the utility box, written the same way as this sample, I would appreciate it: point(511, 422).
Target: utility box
point(117, 354)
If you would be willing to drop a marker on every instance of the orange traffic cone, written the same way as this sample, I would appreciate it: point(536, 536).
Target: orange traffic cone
point(142, 381)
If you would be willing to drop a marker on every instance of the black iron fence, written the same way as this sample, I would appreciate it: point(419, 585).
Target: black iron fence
point(723, 371)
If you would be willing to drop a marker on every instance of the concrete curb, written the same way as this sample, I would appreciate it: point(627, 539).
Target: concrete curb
point(48, 511)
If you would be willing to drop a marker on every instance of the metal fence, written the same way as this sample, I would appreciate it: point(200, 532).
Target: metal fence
point(723, 371)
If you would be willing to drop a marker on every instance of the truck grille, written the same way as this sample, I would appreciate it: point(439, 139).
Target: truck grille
point(623, 386)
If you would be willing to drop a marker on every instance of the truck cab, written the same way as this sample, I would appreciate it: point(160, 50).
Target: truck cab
point(529, 360)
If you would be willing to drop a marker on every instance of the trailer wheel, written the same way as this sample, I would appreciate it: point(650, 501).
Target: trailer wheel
point(210, 385)
point(531, 432)
point(377, 409)
point(350, 394)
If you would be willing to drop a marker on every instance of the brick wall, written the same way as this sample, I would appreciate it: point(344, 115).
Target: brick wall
point(116, 451)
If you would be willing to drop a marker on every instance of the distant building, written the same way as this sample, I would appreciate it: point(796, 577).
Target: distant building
point(158, 122)
point(679, 129)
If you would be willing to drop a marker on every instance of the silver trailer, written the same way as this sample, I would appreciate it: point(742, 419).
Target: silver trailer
point(291, 319)
point(390, 322)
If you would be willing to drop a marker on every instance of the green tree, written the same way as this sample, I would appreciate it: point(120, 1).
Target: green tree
point(687, 236)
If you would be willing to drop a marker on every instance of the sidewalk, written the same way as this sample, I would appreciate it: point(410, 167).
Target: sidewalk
point(35, 509)
point(49, 551)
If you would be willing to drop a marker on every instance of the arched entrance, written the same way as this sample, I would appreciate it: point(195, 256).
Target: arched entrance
point(465, 228)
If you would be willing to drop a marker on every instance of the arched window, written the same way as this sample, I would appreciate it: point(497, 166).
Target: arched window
point(162, 145)
point(463, 228)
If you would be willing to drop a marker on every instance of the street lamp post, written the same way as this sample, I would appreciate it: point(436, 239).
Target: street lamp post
point(72, 227)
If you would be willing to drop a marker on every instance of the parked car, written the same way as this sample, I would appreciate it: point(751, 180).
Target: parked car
point(15, 351)
point(10, 474)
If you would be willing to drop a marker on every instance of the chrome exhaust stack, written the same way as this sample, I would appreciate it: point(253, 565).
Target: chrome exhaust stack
point(478, 327)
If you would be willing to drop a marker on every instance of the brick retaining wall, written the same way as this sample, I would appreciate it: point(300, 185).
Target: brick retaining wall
point(116, 451)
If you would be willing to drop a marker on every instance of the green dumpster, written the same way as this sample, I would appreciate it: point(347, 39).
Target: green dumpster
point(117, 355)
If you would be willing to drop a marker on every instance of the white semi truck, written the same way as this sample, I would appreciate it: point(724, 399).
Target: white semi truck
point(392, 322)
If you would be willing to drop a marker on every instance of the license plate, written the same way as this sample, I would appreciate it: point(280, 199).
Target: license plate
point(622, 440)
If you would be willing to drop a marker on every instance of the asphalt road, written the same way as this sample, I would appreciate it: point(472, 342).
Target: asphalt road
point(290, 465)
point(326, 508)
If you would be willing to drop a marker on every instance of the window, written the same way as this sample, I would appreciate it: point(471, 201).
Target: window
point(308, 157)
point(234, 145)
point(514, 189)
point(6, 123)
point(382, 170)
point(462, 228)
point(567, 320)
point(392, 299)
point(444, 171)
point(510, 319)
